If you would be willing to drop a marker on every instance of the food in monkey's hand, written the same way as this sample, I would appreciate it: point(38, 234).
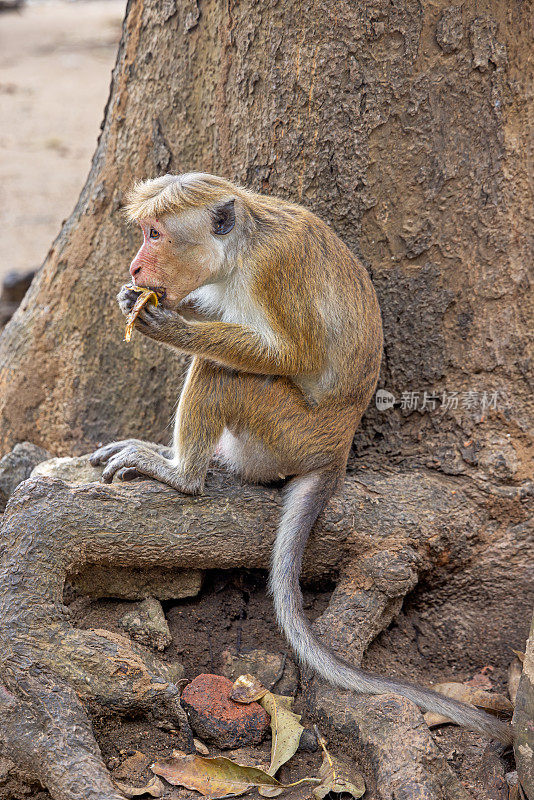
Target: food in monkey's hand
point(146, 295)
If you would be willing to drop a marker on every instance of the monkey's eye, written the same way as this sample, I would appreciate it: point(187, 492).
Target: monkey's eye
point(154, 234)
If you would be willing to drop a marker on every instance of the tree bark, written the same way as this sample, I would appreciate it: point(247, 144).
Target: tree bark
point(524, 721)
point(404, 125)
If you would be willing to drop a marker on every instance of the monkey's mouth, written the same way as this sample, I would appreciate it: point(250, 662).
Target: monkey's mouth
point(159, 291)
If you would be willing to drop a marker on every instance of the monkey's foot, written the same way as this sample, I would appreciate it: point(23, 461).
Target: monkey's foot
point(103, 454)
point(132, 458)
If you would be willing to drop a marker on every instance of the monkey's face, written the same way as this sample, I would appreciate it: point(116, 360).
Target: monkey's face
point(182, 252)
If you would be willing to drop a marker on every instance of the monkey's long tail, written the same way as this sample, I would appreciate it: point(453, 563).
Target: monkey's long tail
point(306, 498)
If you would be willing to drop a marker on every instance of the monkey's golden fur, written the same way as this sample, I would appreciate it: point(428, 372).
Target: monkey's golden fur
point(286, 355)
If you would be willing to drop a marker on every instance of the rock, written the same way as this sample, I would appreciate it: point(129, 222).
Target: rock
point(486, 48)
point(16, 466)
point(15, 285)
point(147, 625)
point(308, 741)
point(71, 470)
point(137, 584)
point(523, 721)
point(217, 719)
point(6, 766)
point(498, 458)
point(268, 668)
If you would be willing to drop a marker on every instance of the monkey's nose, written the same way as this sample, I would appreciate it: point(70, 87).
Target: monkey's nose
point(134, 271)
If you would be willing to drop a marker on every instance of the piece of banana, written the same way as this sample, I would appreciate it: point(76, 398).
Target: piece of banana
point(146, 295)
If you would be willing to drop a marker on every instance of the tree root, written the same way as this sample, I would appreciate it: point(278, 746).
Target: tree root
point(392, 741)
point(52, 529)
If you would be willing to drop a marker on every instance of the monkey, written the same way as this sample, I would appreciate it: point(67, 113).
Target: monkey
point(284, 329)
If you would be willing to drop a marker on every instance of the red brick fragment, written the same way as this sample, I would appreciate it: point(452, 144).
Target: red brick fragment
point(217, 719)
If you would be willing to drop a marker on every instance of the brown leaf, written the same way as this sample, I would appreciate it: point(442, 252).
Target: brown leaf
point(337, 776)
point(247, 689)
point(154, 788)
point(433, 719)
point(212, 777)
point(492, 702)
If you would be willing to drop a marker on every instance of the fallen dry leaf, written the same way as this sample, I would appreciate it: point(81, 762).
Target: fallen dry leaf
point(200, 747)
point(247, 689)
point(286, 730)
point(212, 777)
point(154, 788)
point(337, 776)
point(492, 702)
point(285, 725)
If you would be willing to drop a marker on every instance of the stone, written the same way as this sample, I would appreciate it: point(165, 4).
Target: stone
point(16, 466)
point(71, 470)
point(449, 30)
point(268, 668)
point(215, 718)
point(147, 625)
point(308, 741)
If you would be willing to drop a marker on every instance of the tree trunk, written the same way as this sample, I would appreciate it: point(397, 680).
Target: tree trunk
point(404, 125)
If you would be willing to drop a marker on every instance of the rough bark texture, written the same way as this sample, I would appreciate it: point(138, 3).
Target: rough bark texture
point(405, 125)
point(524, 721)
point(408, 525)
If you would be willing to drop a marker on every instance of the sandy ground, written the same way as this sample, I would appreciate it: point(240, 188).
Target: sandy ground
point(55, 69)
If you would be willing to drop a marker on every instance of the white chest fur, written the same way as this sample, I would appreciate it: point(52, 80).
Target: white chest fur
point(231, 301)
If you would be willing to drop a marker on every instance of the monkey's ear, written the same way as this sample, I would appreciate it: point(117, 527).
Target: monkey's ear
point(223, 218)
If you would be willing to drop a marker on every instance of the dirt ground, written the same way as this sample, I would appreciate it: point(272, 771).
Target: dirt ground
point(55, 69)
point(233, 612)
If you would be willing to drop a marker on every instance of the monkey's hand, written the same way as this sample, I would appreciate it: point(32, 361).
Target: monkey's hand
point(153, 321)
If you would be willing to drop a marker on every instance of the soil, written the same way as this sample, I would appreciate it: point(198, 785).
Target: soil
point(55, 61)
point(233, 611)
